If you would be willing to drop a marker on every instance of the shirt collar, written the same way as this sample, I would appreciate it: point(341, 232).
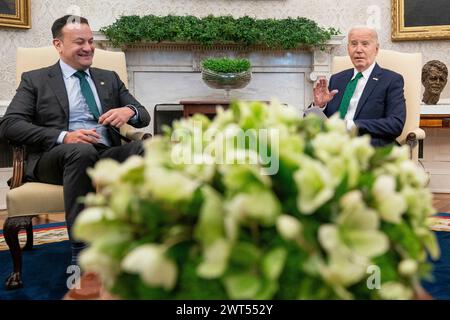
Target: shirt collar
point(366, 73)
point(68, 71)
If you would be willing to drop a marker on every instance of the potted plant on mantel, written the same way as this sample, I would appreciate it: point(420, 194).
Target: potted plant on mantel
point(246, 31)
point(226, 73)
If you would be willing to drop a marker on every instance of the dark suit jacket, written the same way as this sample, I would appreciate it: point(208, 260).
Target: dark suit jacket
point(381, 110)
point(40, 109)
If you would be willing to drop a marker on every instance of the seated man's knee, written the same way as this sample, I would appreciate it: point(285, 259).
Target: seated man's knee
point(83, 152)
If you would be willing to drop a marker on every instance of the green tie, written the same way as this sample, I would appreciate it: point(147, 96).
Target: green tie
point(348, 94)
point(87, 93)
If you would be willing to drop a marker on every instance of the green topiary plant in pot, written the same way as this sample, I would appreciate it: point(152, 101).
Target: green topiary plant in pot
point(259, 204)
point(226, 73)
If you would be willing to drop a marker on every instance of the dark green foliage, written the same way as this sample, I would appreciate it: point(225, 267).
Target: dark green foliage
point(387, 264)
point(273, 33)
point(192, 287)
point(402, 235)
point(292, 275)
point(131, 287)
point(226, 65)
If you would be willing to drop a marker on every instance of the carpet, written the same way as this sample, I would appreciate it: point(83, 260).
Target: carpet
point(44, 272)
point(439, 288)
point(42, 234)
point(44, 267)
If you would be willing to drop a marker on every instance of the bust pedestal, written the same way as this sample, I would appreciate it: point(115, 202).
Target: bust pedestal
point(435, 120)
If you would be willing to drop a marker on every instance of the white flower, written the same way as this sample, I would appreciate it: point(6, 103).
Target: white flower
point(408, 267)
point(168, 185)
point(95, 260)
point(150, 262)
point(356, 229)
point(329, 144)
point(359, 148)
point(261, 206)
point(411, 174)
point(215, 259)
point(344, 269)
point(336, 124)
point(315, 185)
point(292, 149)
point(131, 163)
point(390, 204)
point(210, 225)
point(97, 222)
point(157, 151)
point(289, 227)
point(395, 291)
point(282, 114)
point(202, 168)
point(105, 172)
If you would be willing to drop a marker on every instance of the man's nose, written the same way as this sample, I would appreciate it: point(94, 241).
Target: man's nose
point(88, 47)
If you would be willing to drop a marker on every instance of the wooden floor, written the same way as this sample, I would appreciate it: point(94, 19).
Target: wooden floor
point(441, 202)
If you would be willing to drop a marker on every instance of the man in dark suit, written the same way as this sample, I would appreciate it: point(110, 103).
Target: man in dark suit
point(68, 116)
point(368, 97)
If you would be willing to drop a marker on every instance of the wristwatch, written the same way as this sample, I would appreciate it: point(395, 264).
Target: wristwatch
point(132, 108)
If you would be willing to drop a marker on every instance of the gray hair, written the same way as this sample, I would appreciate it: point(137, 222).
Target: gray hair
point(363, 27)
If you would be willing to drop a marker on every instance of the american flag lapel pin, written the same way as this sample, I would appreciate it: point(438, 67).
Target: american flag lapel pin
point(102, 83)
point(376, 79)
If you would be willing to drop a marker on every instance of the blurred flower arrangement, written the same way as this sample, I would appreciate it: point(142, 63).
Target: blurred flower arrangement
point(304, 211)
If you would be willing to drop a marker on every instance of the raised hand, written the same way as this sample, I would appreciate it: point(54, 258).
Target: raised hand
point(321, 93)
point(82, 136)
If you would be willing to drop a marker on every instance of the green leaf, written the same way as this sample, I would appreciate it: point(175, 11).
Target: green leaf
point(245, 254)
point(273, 263)
point(242, 286)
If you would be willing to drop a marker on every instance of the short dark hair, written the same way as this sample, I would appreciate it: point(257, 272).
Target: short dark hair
point(59, 24)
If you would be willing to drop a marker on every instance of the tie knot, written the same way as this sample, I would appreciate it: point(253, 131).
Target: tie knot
point(358, 76)
point(80, 74)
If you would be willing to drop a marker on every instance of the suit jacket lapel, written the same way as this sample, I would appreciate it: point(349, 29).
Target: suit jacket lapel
point(370, 85)
point(56, 82)
point(100, 85)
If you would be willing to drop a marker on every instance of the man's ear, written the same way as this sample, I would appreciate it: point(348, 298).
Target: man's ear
point(57, 43)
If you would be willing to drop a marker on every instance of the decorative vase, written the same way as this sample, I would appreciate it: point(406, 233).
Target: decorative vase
point(226, 81)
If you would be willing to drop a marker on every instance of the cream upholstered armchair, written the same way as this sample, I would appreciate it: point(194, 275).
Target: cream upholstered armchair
point(409, 65)
point(26, 200)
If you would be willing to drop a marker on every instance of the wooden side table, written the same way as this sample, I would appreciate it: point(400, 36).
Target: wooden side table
point(191, 107)
point(205, 106)
point(435, 120)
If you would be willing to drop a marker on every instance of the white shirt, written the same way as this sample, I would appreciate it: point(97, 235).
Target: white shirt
point(80, 117)
point(356, 96)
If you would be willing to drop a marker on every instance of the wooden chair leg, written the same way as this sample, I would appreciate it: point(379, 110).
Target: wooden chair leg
point(11, 230)
point(29, 244)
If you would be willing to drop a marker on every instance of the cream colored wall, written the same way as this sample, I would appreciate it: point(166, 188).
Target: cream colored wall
point(336, 13)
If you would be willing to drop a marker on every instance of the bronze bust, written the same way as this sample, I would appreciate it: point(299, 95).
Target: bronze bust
point(434, 79)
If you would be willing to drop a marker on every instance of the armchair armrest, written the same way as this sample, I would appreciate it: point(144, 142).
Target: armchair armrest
point(412, 139)
point(417, 133)
point(133, 134)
